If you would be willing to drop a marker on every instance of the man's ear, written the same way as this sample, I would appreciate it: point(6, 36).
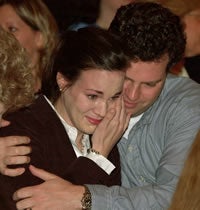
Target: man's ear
point(61, 81)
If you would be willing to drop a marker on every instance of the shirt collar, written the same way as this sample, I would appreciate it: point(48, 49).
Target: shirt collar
point(132, 122)
point(72, 133)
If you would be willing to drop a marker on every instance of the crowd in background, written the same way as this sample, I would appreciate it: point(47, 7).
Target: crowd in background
point(80, 13)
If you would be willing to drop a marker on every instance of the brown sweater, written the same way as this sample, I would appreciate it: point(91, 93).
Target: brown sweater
point(52, 151)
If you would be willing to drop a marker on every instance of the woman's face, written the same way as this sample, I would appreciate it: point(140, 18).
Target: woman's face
point(30, 39)
point(192, 29)
point(84, 104)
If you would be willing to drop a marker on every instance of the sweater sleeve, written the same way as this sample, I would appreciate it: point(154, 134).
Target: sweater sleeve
point(85, 171)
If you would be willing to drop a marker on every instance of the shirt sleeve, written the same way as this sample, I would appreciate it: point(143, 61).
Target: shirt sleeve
point(83, 170)
point(102, 162)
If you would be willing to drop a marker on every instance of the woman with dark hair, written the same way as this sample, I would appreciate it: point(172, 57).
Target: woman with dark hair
point(82, 97)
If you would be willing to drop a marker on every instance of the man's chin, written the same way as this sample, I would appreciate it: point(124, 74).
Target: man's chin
point(134, 112)
point(131, 111)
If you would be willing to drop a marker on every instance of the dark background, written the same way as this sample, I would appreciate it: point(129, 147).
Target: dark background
point(67, 12)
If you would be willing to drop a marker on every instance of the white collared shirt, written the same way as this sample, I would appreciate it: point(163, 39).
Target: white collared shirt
point(132, 122)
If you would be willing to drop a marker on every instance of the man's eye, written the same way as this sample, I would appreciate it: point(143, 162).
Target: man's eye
point(151, 84)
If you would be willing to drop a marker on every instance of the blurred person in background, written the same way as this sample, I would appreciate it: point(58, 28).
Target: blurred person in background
point(16, 83)
point(187, 192)
point(106, 12)
point(36, 30)
point(34, 27)
point(69, 12)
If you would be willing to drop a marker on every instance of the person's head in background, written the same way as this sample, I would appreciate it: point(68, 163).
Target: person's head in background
point(101, 14)
point(16, 79)
point(155, 38)
point(107, 11)
point(189, 12)
point(87, 76)
point(35, 28)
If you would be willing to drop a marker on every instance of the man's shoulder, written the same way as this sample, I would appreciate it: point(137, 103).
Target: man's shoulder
point(181, 89)
point(179, 98)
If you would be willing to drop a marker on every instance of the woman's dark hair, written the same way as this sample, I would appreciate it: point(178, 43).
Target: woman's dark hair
point(85, 49)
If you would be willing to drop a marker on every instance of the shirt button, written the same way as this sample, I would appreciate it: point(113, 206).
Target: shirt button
point(142, 179)
point(130, 148)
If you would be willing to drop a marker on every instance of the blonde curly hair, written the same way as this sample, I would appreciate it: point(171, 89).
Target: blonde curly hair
point(16, 79)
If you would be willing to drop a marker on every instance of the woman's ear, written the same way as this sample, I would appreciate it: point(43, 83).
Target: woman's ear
point(61, 81)
point(39, 40)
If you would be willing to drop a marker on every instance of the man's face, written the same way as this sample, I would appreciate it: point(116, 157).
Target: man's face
point(143, 84)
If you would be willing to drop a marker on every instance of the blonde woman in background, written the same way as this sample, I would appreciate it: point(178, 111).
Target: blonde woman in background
point(34, 27)
point(16, 80)
point(16, 85)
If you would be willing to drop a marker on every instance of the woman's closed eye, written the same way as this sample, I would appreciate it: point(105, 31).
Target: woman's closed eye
point(115, 97)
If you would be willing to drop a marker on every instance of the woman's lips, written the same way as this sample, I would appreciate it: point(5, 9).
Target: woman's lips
point(93, 120)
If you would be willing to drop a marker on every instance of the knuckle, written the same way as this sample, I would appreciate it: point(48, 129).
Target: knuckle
point(3, 170)
point(8, 160)
point(16, 150)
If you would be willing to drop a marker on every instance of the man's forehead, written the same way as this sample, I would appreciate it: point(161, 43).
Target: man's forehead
point(147, 71)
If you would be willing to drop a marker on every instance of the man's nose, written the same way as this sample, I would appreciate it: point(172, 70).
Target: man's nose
point(133, 92)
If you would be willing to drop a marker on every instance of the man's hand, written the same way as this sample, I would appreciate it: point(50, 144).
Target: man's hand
point(54, 193)
point(12, 154)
